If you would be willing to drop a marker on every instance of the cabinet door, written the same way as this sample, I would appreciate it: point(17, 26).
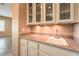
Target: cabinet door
point(55, 51)
point(22, 50)
point(32, 48)
point(29, 13)
point(49, 12)
point(32, 52)
point(38, 13)
point(23, 47)
point(33, 44)
point(65, 12)
point(23, 41)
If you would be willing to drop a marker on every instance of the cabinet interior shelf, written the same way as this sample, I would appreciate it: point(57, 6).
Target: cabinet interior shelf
point(49, 15)
point(38, 5)
point(38, 13)
point(65, 11)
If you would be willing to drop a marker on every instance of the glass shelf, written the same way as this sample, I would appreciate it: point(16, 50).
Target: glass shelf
point(65, 11)
point(38, 13)
point(49, 15)
point(38, 4)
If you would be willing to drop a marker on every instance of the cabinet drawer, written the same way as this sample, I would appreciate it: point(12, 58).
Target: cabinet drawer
point(23, 41)
point(32, 52)
point(51, 50)
point(33, 44)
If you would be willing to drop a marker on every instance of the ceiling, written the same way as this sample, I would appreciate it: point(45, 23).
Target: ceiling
point(6, 9)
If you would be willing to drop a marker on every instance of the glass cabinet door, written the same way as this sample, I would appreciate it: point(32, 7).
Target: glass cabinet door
point(64, 11)
point(29, 13)
point(49, 12)
point(38, 12)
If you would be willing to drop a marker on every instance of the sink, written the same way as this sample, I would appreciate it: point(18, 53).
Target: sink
point(57, 40)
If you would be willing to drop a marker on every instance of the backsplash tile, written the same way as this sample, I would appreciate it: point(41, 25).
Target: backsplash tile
point(61, 29)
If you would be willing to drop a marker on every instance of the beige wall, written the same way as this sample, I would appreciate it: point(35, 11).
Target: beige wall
point(62, 29)
point(8, 26)
point(76, 28)
point(76, 32)
point(22, 20)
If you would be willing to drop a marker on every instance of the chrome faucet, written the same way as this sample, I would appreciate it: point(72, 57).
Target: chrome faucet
point(56, 35)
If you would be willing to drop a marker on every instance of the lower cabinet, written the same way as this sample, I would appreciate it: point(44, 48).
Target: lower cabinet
point(32, 48)
point(23, 47)
point(48, 50)
point(28, 48)
point(32, 52)
point(23, 50)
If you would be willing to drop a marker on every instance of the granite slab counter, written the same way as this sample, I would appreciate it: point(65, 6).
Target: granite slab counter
point(64, 42)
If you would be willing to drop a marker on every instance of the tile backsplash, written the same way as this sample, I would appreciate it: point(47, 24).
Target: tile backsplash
point(52, 29)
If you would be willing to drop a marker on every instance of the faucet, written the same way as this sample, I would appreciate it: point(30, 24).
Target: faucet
point(56, 35)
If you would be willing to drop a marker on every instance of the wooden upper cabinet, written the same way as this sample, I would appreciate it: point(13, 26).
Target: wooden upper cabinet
point(65, 13)
point(38, 13)
point(52, 13)
point(30, 13)
point(49, 12)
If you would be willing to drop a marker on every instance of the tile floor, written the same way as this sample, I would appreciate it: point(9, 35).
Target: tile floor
point(5, 46)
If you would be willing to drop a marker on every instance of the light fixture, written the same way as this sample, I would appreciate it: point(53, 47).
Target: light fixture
point(49, 7)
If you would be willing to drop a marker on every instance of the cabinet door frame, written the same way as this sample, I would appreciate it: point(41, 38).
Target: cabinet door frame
point(27, 8)
point(44, 14)
point(34, 14)
point(72, 14)
point(32, 50)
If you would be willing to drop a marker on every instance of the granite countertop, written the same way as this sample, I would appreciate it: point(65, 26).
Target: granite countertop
point(64, 42)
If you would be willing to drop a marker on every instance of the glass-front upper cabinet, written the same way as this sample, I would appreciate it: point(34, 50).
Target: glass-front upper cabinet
point(49, 12)
point(65, 12)
point(38, 13)
point(29, 13)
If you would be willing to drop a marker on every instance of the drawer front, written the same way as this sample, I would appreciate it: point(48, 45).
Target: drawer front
point(51, 50)
point(23, 41)
point(32, 52)
point(33, 44)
